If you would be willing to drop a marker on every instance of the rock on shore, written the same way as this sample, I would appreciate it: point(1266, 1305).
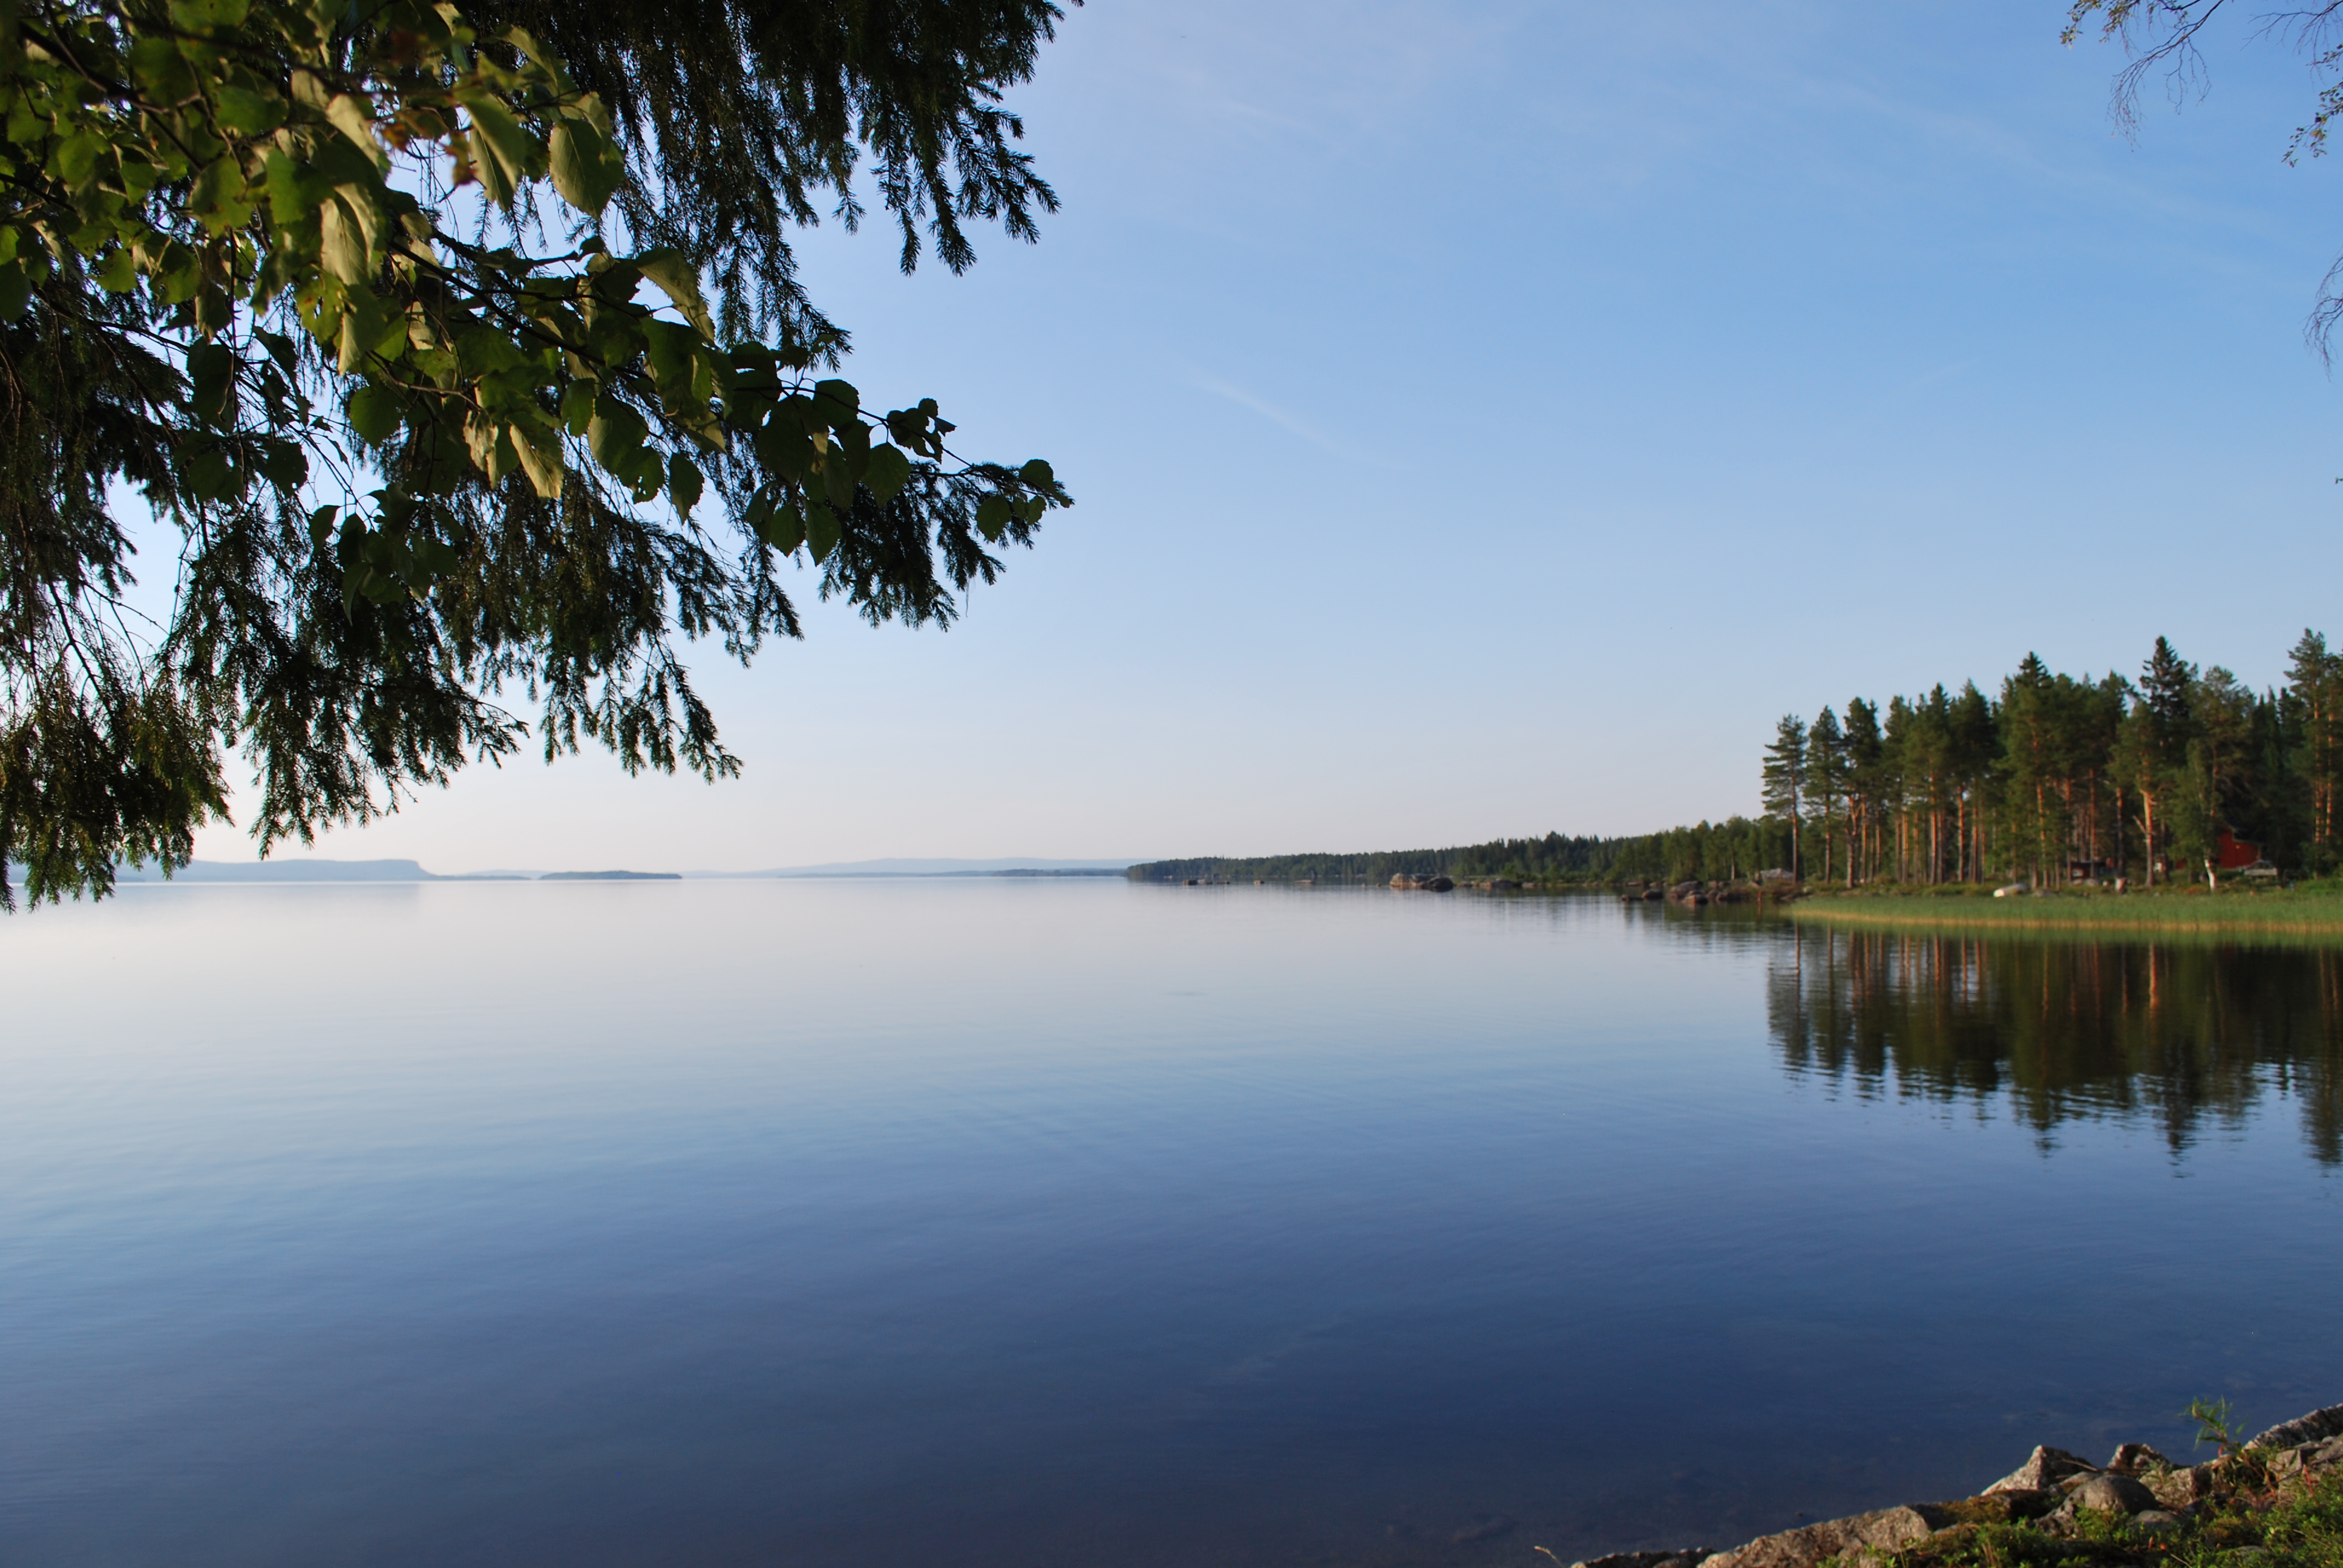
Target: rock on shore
point(2050, 1489)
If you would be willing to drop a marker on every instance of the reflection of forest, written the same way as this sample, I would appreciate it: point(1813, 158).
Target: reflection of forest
point(2185, 1033)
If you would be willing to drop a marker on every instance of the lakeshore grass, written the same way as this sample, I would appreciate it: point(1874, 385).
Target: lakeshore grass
point(2310, 909)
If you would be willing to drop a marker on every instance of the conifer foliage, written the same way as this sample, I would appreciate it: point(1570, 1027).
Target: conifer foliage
point(461, 375)
point(2060, 779)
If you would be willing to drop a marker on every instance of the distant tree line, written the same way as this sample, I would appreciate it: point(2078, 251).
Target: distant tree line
point(1551, 859)
point(1735, 848)
point(2060, 779)
point(2054, 780)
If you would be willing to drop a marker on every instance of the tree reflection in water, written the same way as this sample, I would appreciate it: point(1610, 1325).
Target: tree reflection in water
point(2191, 1035)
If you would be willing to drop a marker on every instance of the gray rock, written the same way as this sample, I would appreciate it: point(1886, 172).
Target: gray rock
point(2045, 1467)
point(2317, 1426)
point(1883, 1530)
point(2111, 1494)
point(2181, 1488)
point(2312, 1456)
point(2136, 1459)
point(2156, 1521)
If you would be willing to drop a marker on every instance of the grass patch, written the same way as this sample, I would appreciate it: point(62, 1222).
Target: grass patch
point(2309, 910)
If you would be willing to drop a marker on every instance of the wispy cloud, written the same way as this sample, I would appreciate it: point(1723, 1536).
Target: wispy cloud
point(1291, 422)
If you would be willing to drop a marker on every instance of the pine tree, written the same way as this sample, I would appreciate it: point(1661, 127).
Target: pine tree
point(1976, 743)
point(2139, 768)
point(1826, 777)
point(1866, 788)
point(1786, 783)
point(2166, 689)
point(2314, 696)
point(2030, 760)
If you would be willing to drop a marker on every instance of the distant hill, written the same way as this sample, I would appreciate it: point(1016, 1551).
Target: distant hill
point(285, 871)
point(611, 876)
point(936, 867)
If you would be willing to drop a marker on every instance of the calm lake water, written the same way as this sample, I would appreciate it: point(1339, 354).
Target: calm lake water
point(991, 1222)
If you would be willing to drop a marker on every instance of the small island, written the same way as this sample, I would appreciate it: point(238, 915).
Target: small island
point(611, 876)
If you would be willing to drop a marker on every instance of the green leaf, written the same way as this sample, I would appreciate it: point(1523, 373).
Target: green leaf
point(118, 274)
point(502, 137)
point(539, 450)
point(211, 375)
point(283, 464)
point(838, 481)
point(358, 204)
point(15, 290)
point(854, 440)
point(76, 156)
point(343, 247)
point(821, 530)
point(577, 406)
point(586, 167)
point(179, 272)
point(782, 447)
point(670, 360)
point(194, 14)
point(245, 113)
point(365, 323)
point(993, 516)
point(644, 475)
point(838, 405)
point(679, 280)
point(293, 198)
point(214, 309)
point(208, 475)
point(615, 434)
point(908, 427)
point(889, 472)
point(220, 198)
point(1037, 475)
point(280, 349)
point(162, 71)
point(782, 525)
point(684, 483)
point(354, 117)
point(374, 413)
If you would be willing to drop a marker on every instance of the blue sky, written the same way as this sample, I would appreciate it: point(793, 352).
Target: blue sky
point(1488, 418)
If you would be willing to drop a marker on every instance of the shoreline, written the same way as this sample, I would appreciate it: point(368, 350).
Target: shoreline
point(2275, 1501)
point(2287, 912)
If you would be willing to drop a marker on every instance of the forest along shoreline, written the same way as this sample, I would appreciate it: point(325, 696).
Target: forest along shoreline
point(2273, 1502)
point(2181, 778)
